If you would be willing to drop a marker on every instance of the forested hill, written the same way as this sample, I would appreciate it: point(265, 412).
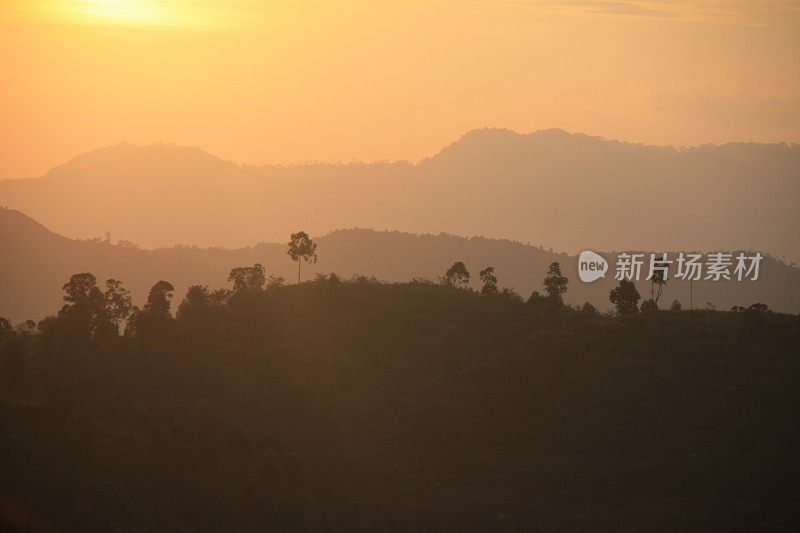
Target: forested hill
point(358, 406)
point(36, 262)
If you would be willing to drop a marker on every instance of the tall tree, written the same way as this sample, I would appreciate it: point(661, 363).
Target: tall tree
point(158, 299)
point(658, 279)
point(301, 247)
point(625, 297)
point(457, 275)
point(555, 284)
point(85, 309)
point(118, 302)
point(489, 280)
point(154, 320)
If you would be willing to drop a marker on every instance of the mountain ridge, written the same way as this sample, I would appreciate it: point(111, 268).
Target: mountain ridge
point(127, 148)
point(550, 187)
point(36, 262)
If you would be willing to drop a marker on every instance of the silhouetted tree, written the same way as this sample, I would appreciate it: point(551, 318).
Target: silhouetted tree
point(27, 327)
point(489, 280)
point(130, 323)
point(85, 311)
point(755, 314)
point(457, 275)
point(625, 297)
point(676, 306)
point(538, 301)
point(247, 279)
point(510, 294)
point(589, 309)
point(649, 305)
point(555, 284)
point(118, 302)
point(196, 303)
point(657, 282)
point(79, 287)
point(158, 299)
point(154, 319)
point(301, 247)
point(6, 329)
point(274, 282)
point(219, 296)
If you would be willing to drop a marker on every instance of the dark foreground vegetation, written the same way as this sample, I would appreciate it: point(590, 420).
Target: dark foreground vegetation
point(356, 405)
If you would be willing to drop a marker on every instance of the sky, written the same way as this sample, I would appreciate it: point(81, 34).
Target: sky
point(276, 81)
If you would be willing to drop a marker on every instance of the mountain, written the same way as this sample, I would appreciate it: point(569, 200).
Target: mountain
point(549, 187)
point(36, 262)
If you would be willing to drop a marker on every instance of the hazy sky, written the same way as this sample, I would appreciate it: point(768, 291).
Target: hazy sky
point(288, 81)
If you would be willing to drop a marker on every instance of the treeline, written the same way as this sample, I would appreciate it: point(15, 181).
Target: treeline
point(92, 312)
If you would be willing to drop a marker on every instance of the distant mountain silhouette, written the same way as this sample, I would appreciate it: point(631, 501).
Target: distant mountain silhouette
point(36, 262)
point(550, 187)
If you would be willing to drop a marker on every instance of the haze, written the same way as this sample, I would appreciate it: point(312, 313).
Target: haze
point(282, 82)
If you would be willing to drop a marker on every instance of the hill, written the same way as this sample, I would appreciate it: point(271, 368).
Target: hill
point(550, 187)
point(36, 262)
point(356, 405)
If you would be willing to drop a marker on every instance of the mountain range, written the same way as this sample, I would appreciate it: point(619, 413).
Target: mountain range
point(552, 188)
point(36, 262)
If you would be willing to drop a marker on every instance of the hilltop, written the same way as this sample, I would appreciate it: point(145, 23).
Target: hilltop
point(349, 405)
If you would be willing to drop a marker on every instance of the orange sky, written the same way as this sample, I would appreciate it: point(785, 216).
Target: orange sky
point(287, 81)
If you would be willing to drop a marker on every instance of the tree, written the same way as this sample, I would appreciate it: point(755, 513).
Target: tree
point(6, 329)
point(79, 288)
point(85, 311)
point(676, 306)
point(247, 279)
point(219, 297)
point(154, 320)
point(755, 315)
point(555, 284)
point(649, 305)
point(625, 297)
point(657, 281)
point(195, 304)
point(489, 280)
point(510, 294)
point(302, 247)
point(130, 323)
point(539, 302)
point(457, 275)
point(158, 299)
point(118, 302)
point(27, 328)
point(273, 282)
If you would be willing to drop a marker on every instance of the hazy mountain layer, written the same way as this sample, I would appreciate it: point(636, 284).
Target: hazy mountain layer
point(569, 191)
point(36, 262)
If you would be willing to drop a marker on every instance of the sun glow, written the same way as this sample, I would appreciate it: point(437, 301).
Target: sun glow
point(129, 12)
point(121, 10)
